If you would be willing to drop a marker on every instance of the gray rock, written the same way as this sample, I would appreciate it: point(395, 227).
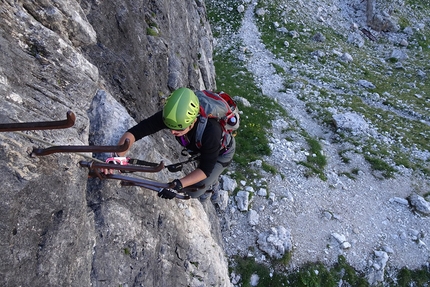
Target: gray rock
point(421, 74)
point(260, 12)
point(282, 30)
point(223, 199)
point(293, 34)
point(318, 54)
point(339, 237)
point(253, 217)
point(243, 101)
point(399, 200)
point(366, 84)
point(262, 192)
point(404, 43)
point(408, 30)
point(376, 274)
point(347, 58)
point(419, 204)
point(399, 55)
point(254, 280)
point(384, 23)
point(228, 183)
point(356, 39)
point(318, 37)
point(242, 200)
point(276, 242)
point(351, 121)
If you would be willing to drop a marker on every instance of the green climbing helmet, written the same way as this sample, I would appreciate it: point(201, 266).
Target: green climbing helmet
point(181, 109)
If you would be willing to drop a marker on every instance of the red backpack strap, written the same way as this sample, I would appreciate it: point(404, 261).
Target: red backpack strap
point(202, 112)
point(228, 99)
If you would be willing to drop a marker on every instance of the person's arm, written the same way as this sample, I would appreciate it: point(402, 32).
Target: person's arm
point(193, 177)
point(146, 127)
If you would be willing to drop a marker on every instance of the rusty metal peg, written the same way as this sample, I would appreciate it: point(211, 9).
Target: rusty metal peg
point(150, 187)
point(177, 195)
point(186, 190)
point(99, 165)
point(137, 181)
point(157, 189)
point(48, 125)
point(368, 34)
point(148, 184)
point(129, 181)
point(74, 149)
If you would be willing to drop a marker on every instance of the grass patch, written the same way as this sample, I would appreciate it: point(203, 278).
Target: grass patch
point(269, 168)
point(380, 165)
point(311, 274)
point(406, 278)
point(252, 141)
point(419, 3)
point(316, 161)
point(152, 31)
point(223, 16)
point(317, 275)
point(233, 78)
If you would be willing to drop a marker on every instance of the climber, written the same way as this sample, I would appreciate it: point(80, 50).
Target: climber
point(181, 114)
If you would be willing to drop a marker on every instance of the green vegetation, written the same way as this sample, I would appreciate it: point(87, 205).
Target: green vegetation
point(252, 141)
point(310, 275)
point(397, 108)
point(316, 161)
point(380, 165)
point(152, 31)
point(318, 275)
point(224, 19)
point(406, 278)
point(233, 78)
point(419, 3)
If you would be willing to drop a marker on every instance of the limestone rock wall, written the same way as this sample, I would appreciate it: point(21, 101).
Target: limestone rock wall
point(112, 63)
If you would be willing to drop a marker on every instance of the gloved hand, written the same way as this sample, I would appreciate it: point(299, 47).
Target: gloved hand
point(177, 185)
point(166, 193)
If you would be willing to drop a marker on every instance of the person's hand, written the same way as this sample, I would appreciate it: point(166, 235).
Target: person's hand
point(177, 185)
point(166, 193)
point(121, 160)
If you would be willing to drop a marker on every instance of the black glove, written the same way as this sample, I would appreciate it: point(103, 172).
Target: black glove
point(177, 185)
point(166, 193)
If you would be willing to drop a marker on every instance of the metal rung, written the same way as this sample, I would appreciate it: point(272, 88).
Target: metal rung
point(74, 149)
point(99, 165)
point(49, 125)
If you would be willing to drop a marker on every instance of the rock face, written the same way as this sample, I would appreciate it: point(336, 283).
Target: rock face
point(99, 59)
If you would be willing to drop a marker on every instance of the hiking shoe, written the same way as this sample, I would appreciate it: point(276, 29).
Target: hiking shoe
point(213, 193)
point(215, 198)
point(206, 195)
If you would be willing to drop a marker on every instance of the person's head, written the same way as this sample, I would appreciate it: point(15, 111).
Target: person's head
point(181, 109)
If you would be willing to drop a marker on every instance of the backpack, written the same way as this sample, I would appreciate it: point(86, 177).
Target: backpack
point(221, 107)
